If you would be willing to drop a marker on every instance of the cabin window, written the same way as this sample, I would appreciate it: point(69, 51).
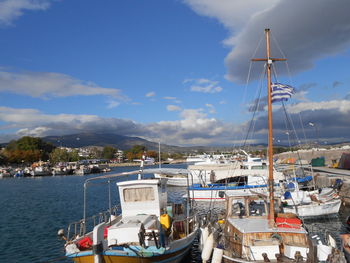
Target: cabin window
point(256, 208)
point(138, 194)
point(238, 209)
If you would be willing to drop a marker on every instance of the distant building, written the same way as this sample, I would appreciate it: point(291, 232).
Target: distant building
point(118, 157)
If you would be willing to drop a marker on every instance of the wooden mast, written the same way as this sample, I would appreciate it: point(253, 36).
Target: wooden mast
point(269, 61)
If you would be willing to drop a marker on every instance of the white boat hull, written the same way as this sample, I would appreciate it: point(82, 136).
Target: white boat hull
point(211, 194)
point(315, 208)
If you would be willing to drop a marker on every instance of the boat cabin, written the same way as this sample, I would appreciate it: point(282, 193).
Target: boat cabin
point(142, 202)
point(143, 197)
point(248, 234)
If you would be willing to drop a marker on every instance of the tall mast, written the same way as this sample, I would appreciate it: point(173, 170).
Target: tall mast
point(269, 62)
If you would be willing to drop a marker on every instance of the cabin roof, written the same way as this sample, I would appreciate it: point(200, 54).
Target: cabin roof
point(139, 182)
point(170, 171)
point(253, 225)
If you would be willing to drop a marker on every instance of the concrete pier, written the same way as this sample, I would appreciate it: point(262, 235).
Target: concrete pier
point(329, 154)
point(326, 177)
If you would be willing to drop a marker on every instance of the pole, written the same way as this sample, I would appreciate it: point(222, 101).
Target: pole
point(269, 60)
point(159, 156)
point(270, 139)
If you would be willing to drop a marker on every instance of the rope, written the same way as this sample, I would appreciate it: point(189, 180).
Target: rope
point(256, 107)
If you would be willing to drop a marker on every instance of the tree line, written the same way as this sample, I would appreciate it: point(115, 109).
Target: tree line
point(32, 149)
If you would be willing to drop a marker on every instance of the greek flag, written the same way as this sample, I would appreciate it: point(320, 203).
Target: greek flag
point(281, 92)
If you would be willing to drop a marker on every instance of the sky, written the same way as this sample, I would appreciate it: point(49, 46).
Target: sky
point(178, 72)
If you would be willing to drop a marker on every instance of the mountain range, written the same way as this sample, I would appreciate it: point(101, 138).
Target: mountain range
point(122, 142)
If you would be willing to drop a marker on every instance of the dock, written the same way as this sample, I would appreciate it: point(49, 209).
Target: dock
point(326, 177)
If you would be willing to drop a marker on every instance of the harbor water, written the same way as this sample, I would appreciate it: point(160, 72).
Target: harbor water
point(32, 210)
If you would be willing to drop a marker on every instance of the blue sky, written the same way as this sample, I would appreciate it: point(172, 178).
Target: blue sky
point(173, 71)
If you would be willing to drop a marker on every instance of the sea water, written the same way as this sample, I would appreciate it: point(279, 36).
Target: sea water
point(32, 210)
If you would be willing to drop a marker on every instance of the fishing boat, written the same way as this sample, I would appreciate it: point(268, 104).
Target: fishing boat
point(244, 180)
point(309, 201)
point(251, 231)
point(146, 228)
point(251, 234)
point(237, 186)
point(203, 174)
point(82, 170)
point(320, 202)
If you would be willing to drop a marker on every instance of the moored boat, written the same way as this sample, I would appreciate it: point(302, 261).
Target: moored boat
point(148, 229)
point(308, 200)
point(252, 231)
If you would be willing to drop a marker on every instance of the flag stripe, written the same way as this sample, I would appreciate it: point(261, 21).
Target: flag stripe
point(281, 92)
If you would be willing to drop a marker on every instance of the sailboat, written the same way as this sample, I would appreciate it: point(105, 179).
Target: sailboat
point(147, 227)
point(251, 231)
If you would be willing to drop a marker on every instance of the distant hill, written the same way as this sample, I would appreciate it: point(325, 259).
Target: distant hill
point(103, 139)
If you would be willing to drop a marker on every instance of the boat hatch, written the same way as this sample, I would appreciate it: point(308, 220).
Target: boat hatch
point(127, 231)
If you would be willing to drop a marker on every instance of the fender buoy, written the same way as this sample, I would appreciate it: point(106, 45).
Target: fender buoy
point(208, 247)
point(204, 236)
point(217, 255)
point(84, 243)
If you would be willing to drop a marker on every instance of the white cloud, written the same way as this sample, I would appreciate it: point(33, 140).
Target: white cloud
point(342, 106)
point(301, 95)
point(211, 108)
point(203, 85)
point(169, 98)
point(173, 99)
point(33, 117)
point(36, 132)
point(46, 84)
point(173, 108)
point(112, 104)
point(34, 122)
point(232, 14)
point(13, 9)
point(303, 29)
point(193, 128)
point(150, 94)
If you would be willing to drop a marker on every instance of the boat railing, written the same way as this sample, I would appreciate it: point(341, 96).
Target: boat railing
point(183, 226)
point(81, 227)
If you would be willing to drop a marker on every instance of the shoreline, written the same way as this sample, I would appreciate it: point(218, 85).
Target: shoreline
point(137, 164)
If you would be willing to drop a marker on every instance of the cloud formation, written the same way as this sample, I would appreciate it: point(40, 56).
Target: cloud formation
point(203, 85)
point(150, 94)
point(173, 108)
point(320, 28)
point(211, 108)
point(194, 128)
point(47, 84)
point(173, 99)
point(13, 9)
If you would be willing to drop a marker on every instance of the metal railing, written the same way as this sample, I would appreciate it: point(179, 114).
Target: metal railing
point(82, 226)
point(186, 226)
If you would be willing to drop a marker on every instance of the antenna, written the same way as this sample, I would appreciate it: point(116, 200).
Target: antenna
point(140, 175)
